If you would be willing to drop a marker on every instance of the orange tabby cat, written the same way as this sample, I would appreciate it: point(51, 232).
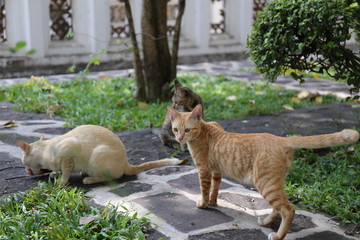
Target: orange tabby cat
point(261, 159)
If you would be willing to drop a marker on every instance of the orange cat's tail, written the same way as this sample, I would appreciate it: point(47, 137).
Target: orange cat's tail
point(325, 140)
point(135, 169)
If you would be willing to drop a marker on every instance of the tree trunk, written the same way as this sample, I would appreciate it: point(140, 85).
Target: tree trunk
point(176, 39)
point(157, 59)
point(139, 75)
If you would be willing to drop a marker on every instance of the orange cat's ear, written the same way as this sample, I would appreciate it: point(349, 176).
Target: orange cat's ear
point(197, 112)
point(24, 146)
point(173, 113)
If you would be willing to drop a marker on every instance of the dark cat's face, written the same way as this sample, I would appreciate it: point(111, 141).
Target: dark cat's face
point(184, 99)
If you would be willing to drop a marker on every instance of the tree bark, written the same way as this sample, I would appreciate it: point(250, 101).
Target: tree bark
point(139, 74)
point(176, 39)
point(157, 59)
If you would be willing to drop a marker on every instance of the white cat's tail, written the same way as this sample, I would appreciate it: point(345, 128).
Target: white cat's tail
point(326, 140)
point(135, 169)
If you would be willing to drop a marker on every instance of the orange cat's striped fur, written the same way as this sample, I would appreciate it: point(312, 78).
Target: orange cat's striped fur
point(261, 159)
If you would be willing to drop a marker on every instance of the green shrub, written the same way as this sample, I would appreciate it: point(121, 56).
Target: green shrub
point(307, 35)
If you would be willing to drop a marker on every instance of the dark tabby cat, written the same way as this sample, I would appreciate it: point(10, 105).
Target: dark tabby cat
point(184, 100)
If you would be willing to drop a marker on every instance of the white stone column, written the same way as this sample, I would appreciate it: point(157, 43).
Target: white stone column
point(28, 21)
point(92, 24)
point(136, 8)
point(245, 20)
point(196, 23)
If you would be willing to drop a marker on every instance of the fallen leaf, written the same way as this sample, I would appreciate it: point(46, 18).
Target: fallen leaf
point(319, 99)
point(35, 77)
point(295, 100)
point(46, 89)
point(103, 76)
point(49, 95)
point(288, 107)
point(288, 71)
point(259, 92)
point(350, 149)
point(53, 108)
point(303, 94)
point(86, 220)
point(8, 124)
point(142, 105)
point(121, 102)
point(231, 98)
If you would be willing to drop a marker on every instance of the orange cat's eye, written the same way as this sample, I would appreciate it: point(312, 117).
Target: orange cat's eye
point(187, 129)
point(175, 129)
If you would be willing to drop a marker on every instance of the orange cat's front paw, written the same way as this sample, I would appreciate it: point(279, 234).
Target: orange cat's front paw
point(273, 236)
point(213, 202)
point(201, 204)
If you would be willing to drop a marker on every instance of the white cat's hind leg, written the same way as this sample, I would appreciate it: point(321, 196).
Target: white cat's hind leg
point(105, 164)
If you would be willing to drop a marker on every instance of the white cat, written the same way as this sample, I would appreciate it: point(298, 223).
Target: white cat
point(94, 150)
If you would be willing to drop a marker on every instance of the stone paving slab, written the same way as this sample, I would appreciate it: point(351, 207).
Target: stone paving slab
point(174, 209)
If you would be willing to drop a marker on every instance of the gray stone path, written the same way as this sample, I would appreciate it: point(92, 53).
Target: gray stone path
point(170, 193)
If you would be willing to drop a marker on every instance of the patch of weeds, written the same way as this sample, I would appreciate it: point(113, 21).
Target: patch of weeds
point(329, 181)
point(109, 102)
point(50, 211)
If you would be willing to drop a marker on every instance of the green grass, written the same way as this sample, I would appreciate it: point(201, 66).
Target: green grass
point(49, 211)
point(109, 102)
point(327, 180)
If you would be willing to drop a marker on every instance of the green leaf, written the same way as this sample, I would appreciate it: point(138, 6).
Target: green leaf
point(354, 5)
point(20, 45)
point(31, 52)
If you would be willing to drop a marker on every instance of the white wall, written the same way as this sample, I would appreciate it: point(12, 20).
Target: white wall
point(28, 20)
